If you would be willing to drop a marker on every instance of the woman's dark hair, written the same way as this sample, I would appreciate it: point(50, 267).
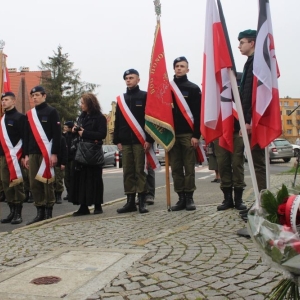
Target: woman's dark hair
point(91, 101)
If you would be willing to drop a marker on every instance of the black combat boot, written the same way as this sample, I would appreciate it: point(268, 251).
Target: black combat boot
point(129, 206)
point(189, 201)
point(181, 203)
point(48, 212)
point(228, 201)
point(238, 202)
point(17, 219)
point(58, 197)
point(11, 214)
point(40, 216)
point(142, 204)
point(2, 197)
point(30, 199)
point(98, 209)
point(83, 210)
point(26, 196)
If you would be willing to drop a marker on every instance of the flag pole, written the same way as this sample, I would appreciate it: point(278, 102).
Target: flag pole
point(244, 133)
point(168, 193)
point(2, 44)
point(157, 8)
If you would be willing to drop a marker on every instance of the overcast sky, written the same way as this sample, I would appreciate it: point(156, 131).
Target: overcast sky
point(106, 37)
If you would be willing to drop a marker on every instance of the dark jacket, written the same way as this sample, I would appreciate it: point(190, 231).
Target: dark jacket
point(62, 157)
point(69, 137)
point(136, 102)
point(15, 126)
point(192, 94)
point(94, 125)
point(50, 122)
point(246, 89)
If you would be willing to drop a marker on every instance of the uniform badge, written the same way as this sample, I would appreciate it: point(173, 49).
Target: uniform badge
point(127, 72)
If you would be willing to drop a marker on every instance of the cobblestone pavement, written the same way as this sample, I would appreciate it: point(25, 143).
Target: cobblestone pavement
point(191, 255)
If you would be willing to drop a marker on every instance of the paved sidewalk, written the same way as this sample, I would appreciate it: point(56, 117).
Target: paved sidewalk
point(185, 255)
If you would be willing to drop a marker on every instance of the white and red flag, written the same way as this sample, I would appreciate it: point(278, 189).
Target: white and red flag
point(6, 81)
point(216, 106)
point(266, 119)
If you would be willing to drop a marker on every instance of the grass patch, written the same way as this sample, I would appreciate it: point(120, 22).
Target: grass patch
point(292, 171)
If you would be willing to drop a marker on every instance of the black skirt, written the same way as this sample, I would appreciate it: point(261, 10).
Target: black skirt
point(86, 185)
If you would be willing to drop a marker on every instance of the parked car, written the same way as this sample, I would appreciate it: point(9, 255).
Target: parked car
point(109, 154)
point(296, 149)
point(160, 154)
point(280, 149)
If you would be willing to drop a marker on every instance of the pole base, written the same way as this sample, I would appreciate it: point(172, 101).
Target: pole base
point(243, 232)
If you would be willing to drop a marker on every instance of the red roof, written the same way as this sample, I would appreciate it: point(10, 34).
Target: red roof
point(21, 83)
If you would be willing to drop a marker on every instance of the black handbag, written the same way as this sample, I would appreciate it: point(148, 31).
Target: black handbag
point(90, 154)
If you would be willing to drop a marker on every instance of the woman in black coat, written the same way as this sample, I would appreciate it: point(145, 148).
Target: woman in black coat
point(86, 181)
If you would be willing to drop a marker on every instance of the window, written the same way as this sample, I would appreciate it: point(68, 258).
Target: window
point(296, 103)
point(298, 122)
point(298, 131)
point(289, 131)
point(288, 111)
point(289, 122)
point(286, 103)
point(298, 112)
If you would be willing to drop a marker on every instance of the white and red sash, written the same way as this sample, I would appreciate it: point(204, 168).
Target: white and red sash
point(185, 110)
point(45, 173)
point(138, 131)
point(12, 155)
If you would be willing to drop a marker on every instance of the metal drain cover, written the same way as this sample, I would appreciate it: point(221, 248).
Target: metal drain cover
point(46, 280)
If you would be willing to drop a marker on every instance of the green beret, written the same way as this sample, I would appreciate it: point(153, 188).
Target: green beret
point(249, 33)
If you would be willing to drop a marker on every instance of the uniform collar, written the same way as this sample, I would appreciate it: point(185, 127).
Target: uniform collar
point(180, 79)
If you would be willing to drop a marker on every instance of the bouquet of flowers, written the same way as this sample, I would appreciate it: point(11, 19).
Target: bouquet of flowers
point(274, 225)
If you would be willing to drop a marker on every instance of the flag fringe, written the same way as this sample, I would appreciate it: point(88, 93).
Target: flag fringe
point(164, 125)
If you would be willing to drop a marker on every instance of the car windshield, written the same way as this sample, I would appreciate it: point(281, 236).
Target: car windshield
point(282, 143)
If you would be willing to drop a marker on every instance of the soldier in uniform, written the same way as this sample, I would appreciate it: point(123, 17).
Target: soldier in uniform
point(42, 145)
point(59, 170)
point(133, 152)
point(12, 157)
point(183, 154)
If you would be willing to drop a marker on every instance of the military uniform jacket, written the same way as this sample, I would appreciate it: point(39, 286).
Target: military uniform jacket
point(15, 126)
point(136, 102)
point(69, 137)
point(50, 122)
point(62, 157)
point(192, 95)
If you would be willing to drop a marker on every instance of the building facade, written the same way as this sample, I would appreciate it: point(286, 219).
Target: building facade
point(290, 118)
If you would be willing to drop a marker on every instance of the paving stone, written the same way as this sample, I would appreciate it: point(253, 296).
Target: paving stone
point(113, 289)
point(139, 297)
point(159, 294)
point(150, 288)
point(132, 286)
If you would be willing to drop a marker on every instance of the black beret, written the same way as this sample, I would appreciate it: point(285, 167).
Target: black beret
point(7, 94)
point(249, 33)
point(38, 89)
point(178, 59)
point(70, 124)
point(130, 71)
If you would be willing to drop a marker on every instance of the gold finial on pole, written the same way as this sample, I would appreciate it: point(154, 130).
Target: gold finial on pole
point(157, 8)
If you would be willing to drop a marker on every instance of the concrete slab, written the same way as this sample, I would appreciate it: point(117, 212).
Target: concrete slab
point(82, 271)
